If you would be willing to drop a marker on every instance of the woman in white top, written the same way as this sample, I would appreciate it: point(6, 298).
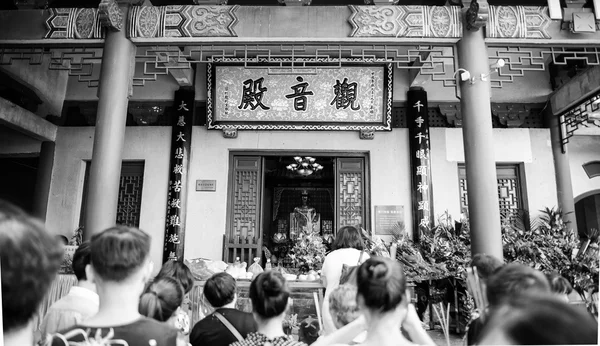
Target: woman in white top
point(347, 249)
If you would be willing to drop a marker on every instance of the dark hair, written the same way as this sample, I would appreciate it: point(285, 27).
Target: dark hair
point(161, 298)
point(486, 265)
point(30, 259)
point(559, 284)
point(118, 252)
point(513, 279)
point(269, 294)
point(81, 258)
point(381, 283)
point(220, 289)
point(348, 237)
point(542, 320)
point(342, 305)
point(178, 271)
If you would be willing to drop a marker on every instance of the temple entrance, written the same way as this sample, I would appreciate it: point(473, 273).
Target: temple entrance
point(274, 197)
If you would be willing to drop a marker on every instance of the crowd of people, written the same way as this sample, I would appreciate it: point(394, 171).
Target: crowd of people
point(117, 300)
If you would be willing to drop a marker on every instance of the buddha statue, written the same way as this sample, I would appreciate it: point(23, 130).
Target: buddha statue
point(304, 218)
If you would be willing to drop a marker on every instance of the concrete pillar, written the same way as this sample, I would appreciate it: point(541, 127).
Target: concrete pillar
point(44, 177)
point(113, 96)
point(482, 186)
point(564, 187)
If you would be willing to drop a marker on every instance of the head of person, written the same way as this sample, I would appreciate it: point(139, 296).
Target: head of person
point(559, 285)
point(30, 259)
point(381, 288)
point(180, 272)
point(120, 256)
point(304, 197)
point(486, 265)
point(342, 305)
point(220, 290)
point(539, 319)
point(81, 259)
point(161, 299)
point(269, 294)
point(348, 237)
point(515, 279)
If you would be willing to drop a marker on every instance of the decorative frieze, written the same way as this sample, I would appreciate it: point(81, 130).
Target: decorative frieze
point(110, 15)
point(518, 22)
point(182, 21)
point(406, 21)
point(511, 114)
point(73, 23)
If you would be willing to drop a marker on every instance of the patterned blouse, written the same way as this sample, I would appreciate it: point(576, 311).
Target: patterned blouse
point(258, 339)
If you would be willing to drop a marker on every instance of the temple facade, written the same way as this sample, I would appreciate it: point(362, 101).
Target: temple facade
point(206, 124)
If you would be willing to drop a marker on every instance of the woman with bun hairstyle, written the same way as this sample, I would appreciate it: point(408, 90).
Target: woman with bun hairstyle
point(161, 300)
point(270, 295)
point(384, 301)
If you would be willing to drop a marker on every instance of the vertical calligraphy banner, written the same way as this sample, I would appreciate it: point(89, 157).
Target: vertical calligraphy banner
point(183, 112)
point(422, 192)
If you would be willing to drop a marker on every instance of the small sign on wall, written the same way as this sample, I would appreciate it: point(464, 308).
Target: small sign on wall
point(387, 218)
point(206, 185)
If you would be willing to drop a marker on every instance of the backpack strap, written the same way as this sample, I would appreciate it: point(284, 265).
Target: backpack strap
point(229, 326)
point(360, 258)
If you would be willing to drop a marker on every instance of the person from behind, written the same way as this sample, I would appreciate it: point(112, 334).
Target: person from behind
point(270, 298)
point(79, 304)
point(161, 299)
point(348, 249)
point(539, 319)
point(509, 281)
point(560, 285)
point(30, 259)
point(120, 267)
point(219, 328)
point(182, 274)
point(486, 265)
point(382, 297)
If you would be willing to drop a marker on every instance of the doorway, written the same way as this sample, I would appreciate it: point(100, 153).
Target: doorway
point(18, 178)
point(270, 199)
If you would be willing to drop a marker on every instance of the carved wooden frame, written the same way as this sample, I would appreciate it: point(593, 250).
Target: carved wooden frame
point(385, 125)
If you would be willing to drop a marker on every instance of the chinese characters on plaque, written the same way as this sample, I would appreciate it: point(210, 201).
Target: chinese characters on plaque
point(346, 94)
point(180, 147)
point(420, 160)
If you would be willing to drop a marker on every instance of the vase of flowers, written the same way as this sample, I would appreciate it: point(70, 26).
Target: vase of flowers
point(308, 252)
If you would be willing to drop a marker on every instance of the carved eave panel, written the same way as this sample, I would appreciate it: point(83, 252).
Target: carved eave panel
point(406, 21)
point(453, 114)
point(511, 115)
point(521, 22)
point(182, 21)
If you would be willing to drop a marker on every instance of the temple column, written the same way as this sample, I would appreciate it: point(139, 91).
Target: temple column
point(564, 186)
point(43, 180)
point(113, 96)
point(482, 186)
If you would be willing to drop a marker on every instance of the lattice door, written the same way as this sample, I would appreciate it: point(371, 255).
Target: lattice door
point(130, 194)
point(244, 220)
point(509, 190)
point(350, 192)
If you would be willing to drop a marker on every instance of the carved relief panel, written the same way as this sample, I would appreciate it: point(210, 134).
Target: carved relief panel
point(245, 199)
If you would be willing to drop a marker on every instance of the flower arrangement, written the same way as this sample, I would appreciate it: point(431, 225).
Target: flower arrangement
point(308, 252)
point(70, 248)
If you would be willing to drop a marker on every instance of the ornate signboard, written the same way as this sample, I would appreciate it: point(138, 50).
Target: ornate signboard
point(420, 161)
point(178, 171)
point(350, 97)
